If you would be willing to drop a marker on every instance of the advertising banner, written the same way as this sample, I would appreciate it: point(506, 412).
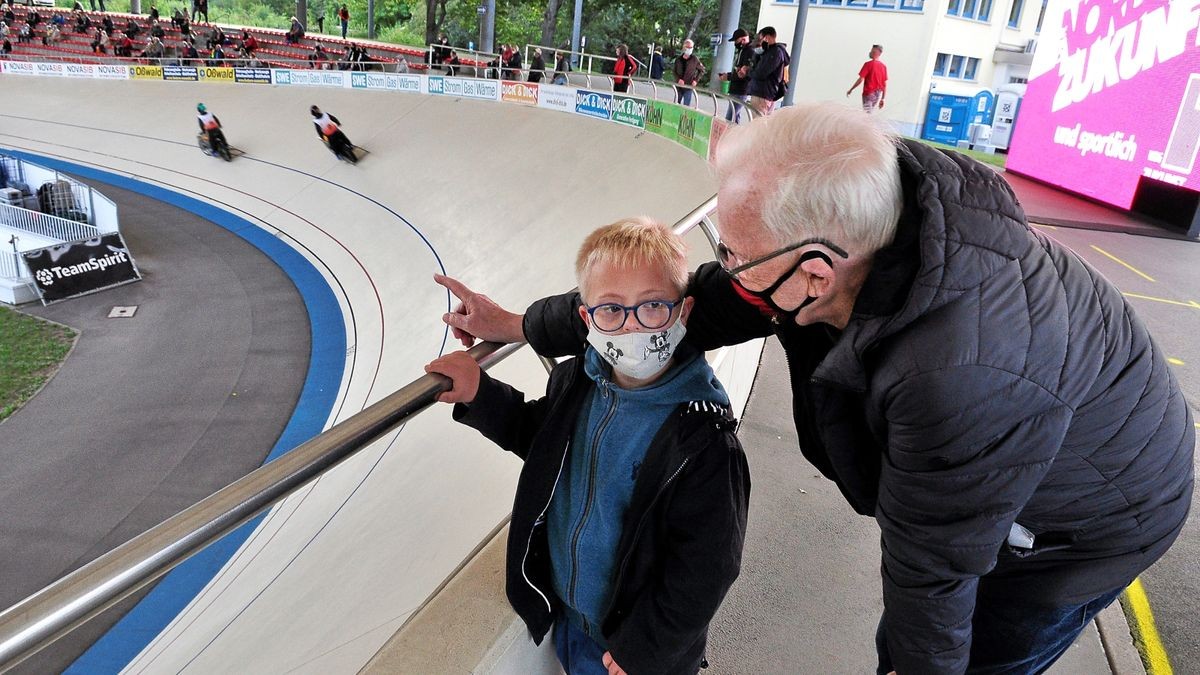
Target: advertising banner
point(523, 93)
point(210, 74)
point(628, 110)
point(106, 72)
point(387, 82)
point(693, 131)
point(81, 267)
point(719, 127)
point(310, 78)
point(555, 97)
point(252, 75)
point(81, 70)
point(1113, 99)
point(49, 69)
point(146, 72)
point(593, 104)
point(488, 90)
point(17, 68)
point(663, 119)
point(180, 73)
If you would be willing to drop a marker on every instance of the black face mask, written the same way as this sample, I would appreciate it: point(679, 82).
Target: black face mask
point(787, 315)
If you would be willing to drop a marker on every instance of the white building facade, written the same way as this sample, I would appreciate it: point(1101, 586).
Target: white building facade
point(943, 46)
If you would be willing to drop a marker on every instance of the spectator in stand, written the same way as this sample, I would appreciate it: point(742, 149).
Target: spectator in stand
point(153, 51)
point(9, 17)
point(401, 65)
point(537, 67)
point(3, 30)
point(873, 77)
point(739, 77)
point(321, 21)
point(441, 50)
point(249, 42)
point(657, 66)
point(254, 61)
point(156, 30)
point(562, 64)
point(33, 18)
point(514, 63)
point(768, 78)
point(319, 58)
point(100, 42)
point(215, 37)
point(24, 34)
point(624, 68)
point(178, 18)
point(186, 28)
point(83, 23)
point(343, 15)
point(189, 54)
point(153, 12)
point(195, 9)
point(295, 32)
point(688, 73)
point(108, 25)
point(505, 55)
point(6, 47)
point(59, 20)
point(359, 57)
point(53, 36)
point(132, 29)
point(202, 7)
point(217, 56)
point(452, 63)
point(125, 46)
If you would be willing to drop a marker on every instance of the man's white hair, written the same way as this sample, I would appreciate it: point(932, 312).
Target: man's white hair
point(823, 170)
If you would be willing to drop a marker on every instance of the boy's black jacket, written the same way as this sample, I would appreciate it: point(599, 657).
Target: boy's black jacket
point(681, 545)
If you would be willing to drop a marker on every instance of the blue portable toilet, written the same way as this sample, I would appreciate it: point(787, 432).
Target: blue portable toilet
point(952, 109)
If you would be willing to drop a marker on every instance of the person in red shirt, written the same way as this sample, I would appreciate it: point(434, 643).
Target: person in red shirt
point(623, 68)
point(873, 77)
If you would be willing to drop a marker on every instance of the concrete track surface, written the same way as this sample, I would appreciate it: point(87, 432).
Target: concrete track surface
point(497, 195)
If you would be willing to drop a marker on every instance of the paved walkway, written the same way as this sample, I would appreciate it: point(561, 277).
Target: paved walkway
point(150, 414)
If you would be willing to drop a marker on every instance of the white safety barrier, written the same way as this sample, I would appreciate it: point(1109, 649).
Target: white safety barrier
point(45, 225)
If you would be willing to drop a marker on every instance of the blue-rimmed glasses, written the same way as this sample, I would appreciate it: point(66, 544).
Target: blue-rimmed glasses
point(729, 259)
point(652, 314)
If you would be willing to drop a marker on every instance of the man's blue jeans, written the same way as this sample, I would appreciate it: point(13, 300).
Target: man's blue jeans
point(683, 96)
point(577, 652)
point(1011, 637)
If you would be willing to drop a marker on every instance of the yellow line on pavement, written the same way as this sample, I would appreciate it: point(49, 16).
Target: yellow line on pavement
point(1133, 269)
point(1048, 227)
point(1190, 303)
point(1145, 633)
point(1174, 361)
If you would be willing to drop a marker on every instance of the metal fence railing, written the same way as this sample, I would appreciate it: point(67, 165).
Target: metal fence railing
point(12, 266)
point(46, 225)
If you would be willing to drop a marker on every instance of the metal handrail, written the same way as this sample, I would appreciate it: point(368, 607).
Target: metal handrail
point(54, 611)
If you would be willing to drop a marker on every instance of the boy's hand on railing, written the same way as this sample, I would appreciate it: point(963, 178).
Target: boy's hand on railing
point(477, 317)
point(463, 373)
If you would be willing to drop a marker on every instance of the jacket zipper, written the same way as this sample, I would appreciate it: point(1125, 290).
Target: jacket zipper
point(541, 519)
point(638, 533)
point(587, 507)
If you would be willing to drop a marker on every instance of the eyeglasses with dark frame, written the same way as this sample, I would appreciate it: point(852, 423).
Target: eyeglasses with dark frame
point(651, 314)
point(726, 257)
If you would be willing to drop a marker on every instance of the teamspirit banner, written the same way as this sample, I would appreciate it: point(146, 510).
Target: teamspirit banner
point(81, 267)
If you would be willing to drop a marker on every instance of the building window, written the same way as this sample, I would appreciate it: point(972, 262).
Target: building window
point(1014, 14)
point(976, 10)
point(956, 66)
point(1041, 16)
point(939, 64)
point(972, 66)
point(906, 5)
point(1018, 80)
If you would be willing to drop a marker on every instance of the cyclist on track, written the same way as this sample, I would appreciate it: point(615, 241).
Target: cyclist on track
point(327, 128)
point(211, 127)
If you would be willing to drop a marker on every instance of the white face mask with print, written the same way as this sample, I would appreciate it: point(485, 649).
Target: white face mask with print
point(638, 355)
point(687, 53)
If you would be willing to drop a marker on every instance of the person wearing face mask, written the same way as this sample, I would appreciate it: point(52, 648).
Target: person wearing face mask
point(637, 431)
point(975, 387)
point(768, 77)
point(739, 77)
point(689, 70)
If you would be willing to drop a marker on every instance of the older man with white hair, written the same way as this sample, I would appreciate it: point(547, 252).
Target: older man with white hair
point(975, 387)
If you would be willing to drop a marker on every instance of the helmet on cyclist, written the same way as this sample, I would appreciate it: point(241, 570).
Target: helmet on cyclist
point(316, 112)
point(200, 108)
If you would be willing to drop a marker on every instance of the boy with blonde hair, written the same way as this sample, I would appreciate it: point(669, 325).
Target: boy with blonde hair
point(630, 511)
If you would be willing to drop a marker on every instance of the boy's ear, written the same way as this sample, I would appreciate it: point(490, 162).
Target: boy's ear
point(583, 314)
point(686, 310)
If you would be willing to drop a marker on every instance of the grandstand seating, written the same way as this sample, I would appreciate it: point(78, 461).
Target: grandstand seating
point(273, 49)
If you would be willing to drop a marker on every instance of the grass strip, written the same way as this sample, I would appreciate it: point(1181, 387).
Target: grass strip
point(31, 350)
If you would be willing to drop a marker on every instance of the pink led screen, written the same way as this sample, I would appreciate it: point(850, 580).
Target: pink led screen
point(1113, 95)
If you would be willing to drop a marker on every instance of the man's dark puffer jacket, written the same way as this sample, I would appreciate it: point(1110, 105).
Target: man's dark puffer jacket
point(988, 375)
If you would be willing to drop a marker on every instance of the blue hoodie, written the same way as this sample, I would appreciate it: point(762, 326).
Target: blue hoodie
point(587, 511)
